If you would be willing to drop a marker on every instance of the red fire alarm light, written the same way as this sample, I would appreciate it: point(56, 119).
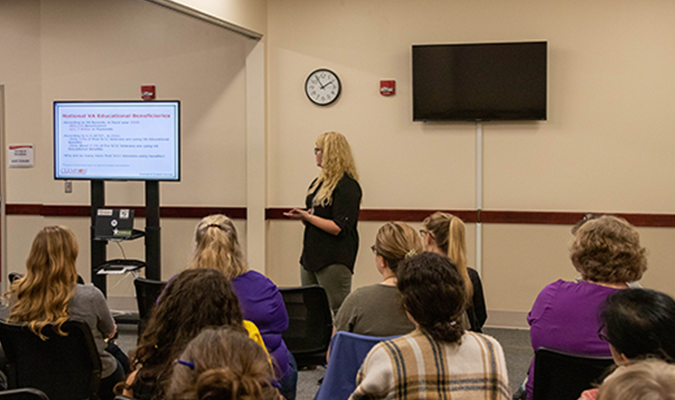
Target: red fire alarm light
point(388, 88)
point(148, 92)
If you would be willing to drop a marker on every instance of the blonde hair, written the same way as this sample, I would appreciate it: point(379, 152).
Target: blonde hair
point(396, 241)
point(337, 160)
point(42, 295)
point(217, 247)
point(222, 364)
point(645, 380)
point(449, 233)
point(607, 250)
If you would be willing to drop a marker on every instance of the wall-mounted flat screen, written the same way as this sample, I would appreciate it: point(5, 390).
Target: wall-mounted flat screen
point(480, 82)
point(117, 140)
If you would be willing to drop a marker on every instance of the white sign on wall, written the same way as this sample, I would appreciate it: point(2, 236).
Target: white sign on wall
point(20, 156)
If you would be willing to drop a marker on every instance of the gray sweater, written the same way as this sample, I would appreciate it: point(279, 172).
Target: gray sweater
point(89, 306)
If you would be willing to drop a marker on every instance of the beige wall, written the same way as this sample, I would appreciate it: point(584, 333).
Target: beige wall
point(249, 14)
point(606, 145)
point(98, 50)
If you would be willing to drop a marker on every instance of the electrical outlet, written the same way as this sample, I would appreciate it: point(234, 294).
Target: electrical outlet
point(69, 186)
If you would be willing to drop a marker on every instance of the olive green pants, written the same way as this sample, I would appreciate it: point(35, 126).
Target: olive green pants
point(336, 279)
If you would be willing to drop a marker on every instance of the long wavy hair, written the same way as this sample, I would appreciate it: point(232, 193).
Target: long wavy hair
point(449, 233)
point(337, 160)
point(227, 365)
point(41, 297)
point(217, 247)
point(195, 300)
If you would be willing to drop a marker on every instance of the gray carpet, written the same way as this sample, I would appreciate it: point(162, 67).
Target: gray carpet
point(516, 344)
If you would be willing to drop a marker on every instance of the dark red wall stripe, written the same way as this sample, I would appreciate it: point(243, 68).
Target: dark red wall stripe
point(85, 211)
point(470, 216)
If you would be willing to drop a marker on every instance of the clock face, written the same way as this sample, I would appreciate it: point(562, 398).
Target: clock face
point(323, 87)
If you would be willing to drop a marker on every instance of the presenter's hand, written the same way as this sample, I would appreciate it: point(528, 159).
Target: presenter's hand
point(298, 213)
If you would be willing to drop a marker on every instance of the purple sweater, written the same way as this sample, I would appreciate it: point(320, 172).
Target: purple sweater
point(262, 304)
point(565, 317)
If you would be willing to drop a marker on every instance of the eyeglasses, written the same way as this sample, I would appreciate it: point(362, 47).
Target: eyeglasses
point(424, 232)
point(316, 150)
point(587, 217)
point(602, 335)
point(373, 249)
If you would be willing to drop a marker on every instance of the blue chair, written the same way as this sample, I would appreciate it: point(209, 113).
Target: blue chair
point(347, 352)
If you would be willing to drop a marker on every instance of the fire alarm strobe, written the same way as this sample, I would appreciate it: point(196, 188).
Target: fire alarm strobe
point(388, 88)
point(148, 92)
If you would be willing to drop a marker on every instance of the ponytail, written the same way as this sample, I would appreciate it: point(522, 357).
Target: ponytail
point(446, 331)
point(457, 251)
point(449, 233)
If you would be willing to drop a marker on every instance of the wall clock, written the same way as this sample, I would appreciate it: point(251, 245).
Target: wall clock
point(323, 87)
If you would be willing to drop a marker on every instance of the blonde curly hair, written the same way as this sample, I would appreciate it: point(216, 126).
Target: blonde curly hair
point(337, 161)
point(607, 250)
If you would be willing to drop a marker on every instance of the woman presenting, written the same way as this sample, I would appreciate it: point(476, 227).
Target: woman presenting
point(331, 240)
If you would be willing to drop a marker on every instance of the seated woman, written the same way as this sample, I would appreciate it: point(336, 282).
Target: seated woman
point(193, 301)
point(217, 247)
point(376, 310)
point(445, 234)
point(49, 294)
point(606, 252)
point(646, 380)
point(222, 364)
point(439, 359)
point(638, 324)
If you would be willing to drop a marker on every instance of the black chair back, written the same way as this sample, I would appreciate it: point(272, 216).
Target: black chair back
point(310, 324)
point(63, 367)
point(23, 394)
point(563, 376)
point(147, 293)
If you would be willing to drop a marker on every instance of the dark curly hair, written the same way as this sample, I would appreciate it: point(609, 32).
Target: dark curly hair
point(607, 249)
point(434, 295)
point(195, 300)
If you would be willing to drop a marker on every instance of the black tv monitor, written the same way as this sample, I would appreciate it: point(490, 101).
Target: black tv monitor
point(117, 140)
point(480, 82)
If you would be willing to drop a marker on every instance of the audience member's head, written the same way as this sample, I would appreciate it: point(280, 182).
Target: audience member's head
point(433, 294)
point(607, 250)
point(222, 364)
point(217, 247)
point(42, 295)
point(645, 380)
point(195, 300)
point(396, 241)
point(445, 234)
point(639, 323)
